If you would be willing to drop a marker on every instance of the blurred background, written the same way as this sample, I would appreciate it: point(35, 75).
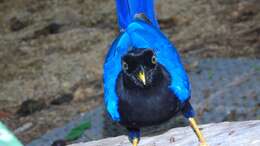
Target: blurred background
point(52, 51)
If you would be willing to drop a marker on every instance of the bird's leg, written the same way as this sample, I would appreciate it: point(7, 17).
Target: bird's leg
point(134, 136)
point(197, 131)
point(189, 113)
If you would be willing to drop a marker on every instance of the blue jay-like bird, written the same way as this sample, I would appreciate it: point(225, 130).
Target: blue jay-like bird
point(144, 80)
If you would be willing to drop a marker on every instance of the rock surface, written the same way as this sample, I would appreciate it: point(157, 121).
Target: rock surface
point(217, 134)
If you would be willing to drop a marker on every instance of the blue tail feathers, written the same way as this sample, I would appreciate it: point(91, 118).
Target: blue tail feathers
point(127, 9)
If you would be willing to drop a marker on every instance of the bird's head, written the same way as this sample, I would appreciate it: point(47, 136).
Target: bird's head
point(140, 67)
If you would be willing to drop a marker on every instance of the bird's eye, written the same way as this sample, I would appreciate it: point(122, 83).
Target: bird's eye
point(125, 66)
point(154, 60)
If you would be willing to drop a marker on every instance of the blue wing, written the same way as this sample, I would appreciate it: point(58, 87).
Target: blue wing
point(112, 68)
point(142, 35)
point(127, 9)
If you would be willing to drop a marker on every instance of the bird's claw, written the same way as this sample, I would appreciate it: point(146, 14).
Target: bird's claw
point(135, 141)
point(203, 144)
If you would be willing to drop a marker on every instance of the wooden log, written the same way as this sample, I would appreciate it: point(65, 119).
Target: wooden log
point(246, 133)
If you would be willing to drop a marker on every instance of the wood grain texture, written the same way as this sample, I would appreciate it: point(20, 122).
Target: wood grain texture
point(244, 133)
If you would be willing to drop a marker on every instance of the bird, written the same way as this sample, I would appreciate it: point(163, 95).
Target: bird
point(144, 80)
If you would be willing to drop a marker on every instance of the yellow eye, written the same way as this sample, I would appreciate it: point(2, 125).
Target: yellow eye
point(154, 60)
point(125, 66)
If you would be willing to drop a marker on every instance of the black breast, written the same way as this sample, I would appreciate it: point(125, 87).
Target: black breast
point(140, 107)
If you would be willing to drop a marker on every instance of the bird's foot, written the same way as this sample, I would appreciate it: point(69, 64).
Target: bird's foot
point(134, 137)
point(135, 141)
point(203, 144)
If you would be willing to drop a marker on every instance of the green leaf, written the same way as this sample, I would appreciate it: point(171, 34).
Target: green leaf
point(256, 68)
point(76, 132)
point(210, 74)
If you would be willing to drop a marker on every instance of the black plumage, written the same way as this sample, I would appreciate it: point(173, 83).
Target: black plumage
point(144, 105)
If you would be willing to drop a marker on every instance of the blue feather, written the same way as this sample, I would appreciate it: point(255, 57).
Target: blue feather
point(112, 67)
point(139, 34)
point(127, 9)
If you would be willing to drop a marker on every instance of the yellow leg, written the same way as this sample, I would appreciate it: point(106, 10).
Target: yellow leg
point(197, 131)
point(135, 142)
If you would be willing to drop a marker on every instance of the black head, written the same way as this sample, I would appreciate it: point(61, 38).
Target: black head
point(140, 68)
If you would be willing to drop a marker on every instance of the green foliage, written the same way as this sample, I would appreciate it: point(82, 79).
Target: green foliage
point(76, 132)
point(210, 74)
point(256, 68)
